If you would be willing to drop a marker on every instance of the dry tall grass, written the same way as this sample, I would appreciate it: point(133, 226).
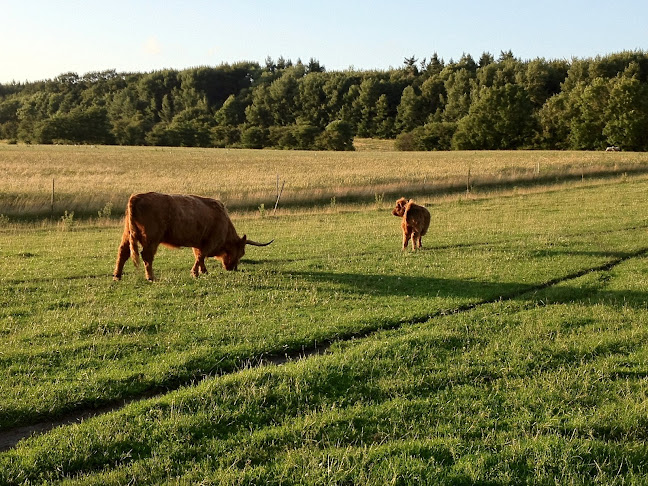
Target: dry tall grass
point(88, 177)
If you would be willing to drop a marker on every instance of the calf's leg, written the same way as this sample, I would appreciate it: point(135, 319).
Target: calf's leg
point(406, 237)
point(407, 234)
point(416, 237)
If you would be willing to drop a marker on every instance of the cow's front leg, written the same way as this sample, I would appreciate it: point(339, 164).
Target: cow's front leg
point(406, 237)
point(199, 265)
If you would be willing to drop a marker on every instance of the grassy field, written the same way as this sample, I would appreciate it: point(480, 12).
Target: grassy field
point(87, 178)
point(512, 349)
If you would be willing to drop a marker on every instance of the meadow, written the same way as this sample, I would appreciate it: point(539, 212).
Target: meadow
point(88, 178)
point(512, 349)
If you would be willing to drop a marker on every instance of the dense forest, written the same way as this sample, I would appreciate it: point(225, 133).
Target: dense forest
point(425, 104)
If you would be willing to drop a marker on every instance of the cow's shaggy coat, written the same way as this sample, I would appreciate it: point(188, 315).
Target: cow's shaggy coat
point(176, 220)
point(415, 221)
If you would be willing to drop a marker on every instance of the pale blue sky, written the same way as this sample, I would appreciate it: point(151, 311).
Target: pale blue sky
point(41, 39)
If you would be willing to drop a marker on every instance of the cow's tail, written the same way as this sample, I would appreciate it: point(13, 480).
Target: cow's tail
point(128, 245)
point(132, 236)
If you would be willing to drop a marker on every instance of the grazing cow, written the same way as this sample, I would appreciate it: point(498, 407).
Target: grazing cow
point(613, 148)
point(415, 221)
point(175, 221)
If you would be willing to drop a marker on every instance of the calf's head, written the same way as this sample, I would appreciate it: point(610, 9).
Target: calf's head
point(233, 251)
point(399, 210)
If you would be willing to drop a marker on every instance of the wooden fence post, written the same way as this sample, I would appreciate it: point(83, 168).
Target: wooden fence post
point(279, 193)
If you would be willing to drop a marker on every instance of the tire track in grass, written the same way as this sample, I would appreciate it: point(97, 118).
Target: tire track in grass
point(10, 437)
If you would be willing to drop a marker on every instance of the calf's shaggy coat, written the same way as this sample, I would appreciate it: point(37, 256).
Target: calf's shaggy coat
point(415, 221)
point(176, 220)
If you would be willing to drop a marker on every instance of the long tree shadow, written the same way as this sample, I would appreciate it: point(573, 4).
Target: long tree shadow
point(592, 295)
point(557, 252)
point(412, 286)
point(479, 292)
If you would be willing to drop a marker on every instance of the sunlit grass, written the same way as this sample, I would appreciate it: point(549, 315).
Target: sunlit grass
point(452, 365)
point(546, 388)
point(328, 275)
point(86, 178)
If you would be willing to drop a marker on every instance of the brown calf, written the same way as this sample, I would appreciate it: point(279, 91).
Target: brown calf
point(175, 221)
point(415, 221)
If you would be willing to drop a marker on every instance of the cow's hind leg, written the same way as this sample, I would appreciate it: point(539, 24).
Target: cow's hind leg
point(199, 265)
point(123, 254)
point(148, 252)
point(416, 238)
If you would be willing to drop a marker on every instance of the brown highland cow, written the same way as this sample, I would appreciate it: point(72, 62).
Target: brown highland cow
point(177, 220)
point(415, 221)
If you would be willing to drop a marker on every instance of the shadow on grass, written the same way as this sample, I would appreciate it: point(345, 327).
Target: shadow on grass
point(413, 286)
point(477, 292)
point(556, 252)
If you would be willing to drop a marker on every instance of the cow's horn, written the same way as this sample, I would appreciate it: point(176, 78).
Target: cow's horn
point(254, 243)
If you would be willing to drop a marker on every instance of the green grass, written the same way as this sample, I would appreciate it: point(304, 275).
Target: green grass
point(326, 276)
point(450, 365)
point(530, 390)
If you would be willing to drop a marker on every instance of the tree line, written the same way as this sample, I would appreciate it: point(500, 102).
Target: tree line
point(425, 104)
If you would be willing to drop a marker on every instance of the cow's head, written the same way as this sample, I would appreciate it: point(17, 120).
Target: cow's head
point(234, 251)
point(399, 210)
